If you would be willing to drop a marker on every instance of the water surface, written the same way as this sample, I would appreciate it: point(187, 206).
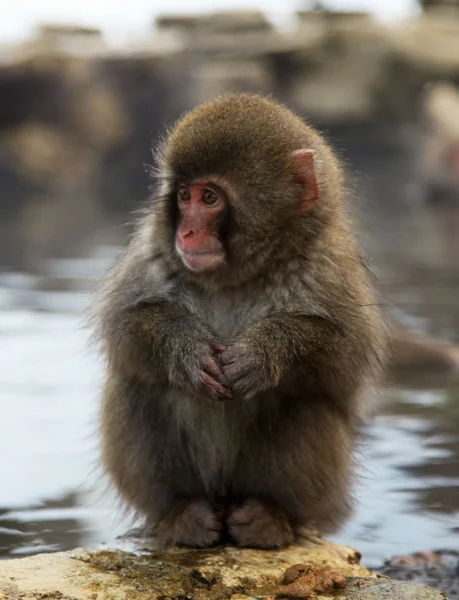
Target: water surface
point(51, 495)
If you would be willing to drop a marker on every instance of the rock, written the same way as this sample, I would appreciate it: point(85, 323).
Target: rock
point(66, 39)
point(351, 73)
point(75, 134)
point(381, 589)
point(237, 21)
point(60, 37)
point(183, 23)
point(200, 574)
point(78, 115)
point(217, 77)
point(430, 44)
point(439, 4)
point(333, 16)
point(304, 581)
point(439, 569)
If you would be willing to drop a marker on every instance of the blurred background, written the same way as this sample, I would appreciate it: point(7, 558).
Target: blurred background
point(85, 89)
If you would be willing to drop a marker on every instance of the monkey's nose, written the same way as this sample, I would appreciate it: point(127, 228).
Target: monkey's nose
point(187, 234)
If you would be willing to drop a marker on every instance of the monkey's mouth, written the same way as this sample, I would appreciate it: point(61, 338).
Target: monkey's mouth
point(201, 261)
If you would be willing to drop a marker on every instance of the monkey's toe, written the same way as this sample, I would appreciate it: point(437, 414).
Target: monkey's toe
point(256, 525)
point(192, 524)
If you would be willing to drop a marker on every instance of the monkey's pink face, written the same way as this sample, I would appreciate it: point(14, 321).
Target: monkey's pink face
point(201, 208)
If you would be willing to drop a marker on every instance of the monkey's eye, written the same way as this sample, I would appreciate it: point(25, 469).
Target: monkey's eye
point(209, 197)
point(184, 194)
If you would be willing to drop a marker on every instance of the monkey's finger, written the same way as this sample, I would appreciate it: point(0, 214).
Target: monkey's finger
point(212, 368)
point(227, 359)
point(231, 355)
point(243, 385)
point(233, 372)
point(215, 386)
point(217, 347)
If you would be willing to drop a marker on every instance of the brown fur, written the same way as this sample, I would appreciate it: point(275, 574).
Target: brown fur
point(304, 340)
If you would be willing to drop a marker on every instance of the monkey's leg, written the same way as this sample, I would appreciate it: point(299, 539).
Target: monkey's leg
point(150, 464)
point(258, 524)
point(190, 523)
point(299, 468)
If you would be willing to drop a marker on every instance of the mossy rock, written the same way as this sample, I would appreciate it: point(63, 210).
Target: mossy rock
point(307, 571)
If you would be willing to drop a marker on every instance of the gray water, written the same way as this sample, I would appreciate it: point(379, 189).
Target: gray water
point(52, 496)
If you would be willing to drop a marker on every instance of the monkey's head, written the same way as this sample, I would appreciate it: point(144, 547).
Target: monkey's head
point(243, 181)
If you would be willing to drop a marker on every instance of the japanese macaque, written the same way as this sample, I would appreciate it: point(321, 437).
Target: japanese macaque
point(241, 333)
point(420, 360)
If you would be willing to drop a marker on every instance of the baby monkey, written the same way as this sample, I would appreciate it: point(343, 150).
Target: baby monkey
point(241, 335)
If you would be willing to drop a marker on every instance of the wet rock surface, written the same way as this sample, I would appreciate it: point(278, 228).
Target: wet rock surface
point(317, 569)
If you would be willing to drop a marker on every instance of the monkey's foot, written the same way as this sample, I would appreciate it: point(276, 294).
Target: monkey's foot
point(190, 524)
point(257, 525)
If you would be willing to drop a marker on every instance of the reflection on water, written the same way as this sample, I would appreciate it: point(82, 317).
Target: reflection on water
point(48, 396)
point(45, 527)
point(49, 496)
point(409, 489)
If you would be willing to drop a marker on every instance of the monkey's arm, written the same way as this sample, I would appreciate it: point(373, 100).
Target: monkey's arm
point(285, 348)
point(161, 343)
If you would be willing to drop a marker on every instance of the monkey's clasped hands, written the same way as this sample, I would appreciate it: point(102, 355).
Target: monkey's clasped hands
point(233, 371)
point(245, 369)
point(198, 363)
point(243, 283)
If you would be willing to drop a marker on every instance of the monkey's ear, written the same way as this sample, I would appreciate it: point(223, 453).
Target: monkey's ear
point(302, 165)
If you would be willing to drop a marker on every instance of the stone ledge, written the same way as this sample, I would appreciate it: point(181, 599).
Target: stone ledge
point(201, 574)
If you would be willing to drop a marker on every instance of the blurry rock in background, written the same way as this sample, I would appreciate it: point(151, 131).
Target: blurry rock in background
point(78, 119)
point(437, 569)
point(69, 39)
point(75, 130)
point(440, 5)
point(225, 22)
point(438, 180)
point(419, 360)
